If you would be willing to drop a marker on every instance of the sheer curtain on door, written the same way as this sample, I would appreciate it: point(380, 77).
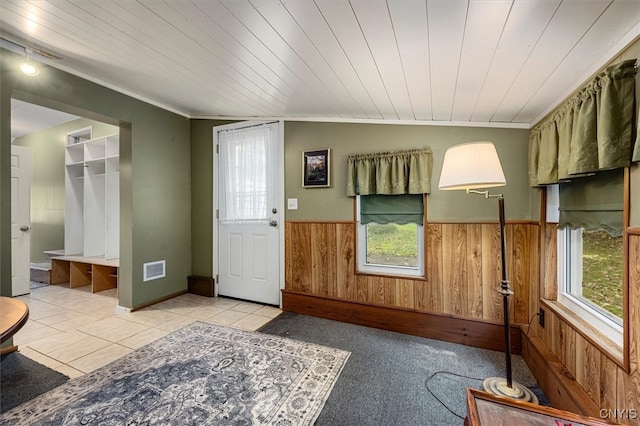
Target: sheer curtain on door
point(246, 155)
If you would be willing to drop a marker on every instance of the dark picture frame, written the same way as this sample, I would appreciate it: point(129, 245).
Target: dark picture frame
point(316, 168)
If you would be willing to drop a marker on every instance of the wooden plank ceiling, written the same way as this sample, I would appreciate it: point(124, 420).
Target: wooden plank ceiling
point(469, 62)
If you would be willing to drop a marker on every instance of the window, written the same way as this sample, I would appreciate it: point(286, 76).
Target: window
point(390, 234)
point(245, 155)
point(590, 249)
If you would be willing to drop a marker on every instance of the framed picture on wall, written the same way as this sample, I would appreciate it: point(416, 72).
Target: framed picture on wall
point(316, 168)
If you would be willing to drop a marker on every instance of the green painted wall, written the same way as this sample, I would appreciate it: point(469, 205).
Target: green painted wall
point(202, 195)
point(155, 175)
point(345, 139)
point(47, 182)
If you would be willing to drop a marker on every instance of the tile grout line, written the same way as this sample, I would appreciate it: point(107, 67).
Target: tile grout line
point(190, 302)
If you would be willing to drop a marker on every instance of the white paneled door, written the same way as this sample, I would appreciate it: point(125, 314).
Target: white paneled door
point(249, 200)
point(20, 219)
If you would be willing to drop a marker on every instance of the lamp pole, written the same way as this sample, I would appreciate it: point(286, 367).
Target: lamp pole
point(505, 291)
point(505, 386)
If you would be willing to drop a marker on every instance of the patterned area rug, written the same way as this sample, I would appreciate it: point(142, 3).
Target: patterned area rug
point(202, 374)
point(36, 284)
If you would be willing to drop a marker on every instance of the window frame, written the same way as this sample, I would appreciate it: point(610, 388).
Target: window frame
point(362, 267)
point(568, 265)
point(576, 315)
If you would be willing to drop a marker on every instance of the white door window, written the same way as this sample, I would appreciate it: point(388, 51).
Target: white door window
point(249, 203)
point(20, 219)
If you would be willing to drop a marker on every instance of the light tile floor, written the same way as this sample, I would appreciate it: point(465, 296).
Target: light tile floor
point(75, 331)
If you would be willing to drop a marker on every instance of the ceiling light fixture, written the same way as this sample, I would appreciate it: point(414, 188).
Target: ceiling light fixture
point(29, 66)
point(29, 69)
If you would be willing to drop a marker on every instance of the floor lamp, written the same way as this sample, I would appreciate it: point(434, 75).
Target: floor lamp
point(471, 166)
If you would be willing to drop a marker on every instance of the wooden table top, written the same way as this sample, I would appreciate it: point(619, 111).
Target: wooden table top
point(13, 315)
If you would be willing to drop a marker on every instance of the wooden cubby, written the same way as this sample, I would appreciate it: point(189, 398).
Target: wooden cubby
point(79, 271)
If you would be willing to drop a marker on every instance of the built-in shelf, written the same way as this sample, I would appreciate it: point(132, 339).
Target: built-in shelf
point(92, 199)
point(78, 271)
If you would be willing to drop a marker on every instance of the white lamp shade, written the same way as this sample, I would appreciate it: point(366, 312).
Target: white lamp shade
point(470, 166)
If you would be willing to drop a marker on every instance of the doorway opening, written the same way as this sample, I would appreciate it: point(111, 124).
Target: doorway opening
point(74, 198)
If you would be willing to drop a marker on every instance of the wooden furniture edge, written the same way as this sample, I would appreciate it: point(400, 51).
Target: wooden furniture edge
point(471, 332)
point(8, 349)
point(557, 383)
point(15, 322)
point(475, 394)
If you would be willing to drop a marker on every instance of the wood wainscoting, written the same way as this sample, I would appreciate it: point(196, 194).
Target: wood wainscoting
point(572, 368)
point(470, 332)
point(462, 263)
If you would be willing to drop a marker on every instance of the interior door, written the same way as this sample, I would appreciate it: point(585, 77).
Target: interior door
point(20, 219)
point(249, 188)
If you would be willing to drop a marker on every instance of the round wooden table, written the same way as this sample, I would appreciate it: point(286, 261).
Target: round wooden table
point(13, 315)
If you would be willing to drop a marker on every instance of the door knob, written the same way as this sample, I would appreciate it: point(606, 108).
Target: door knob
point(24, 228)
point(273, 223)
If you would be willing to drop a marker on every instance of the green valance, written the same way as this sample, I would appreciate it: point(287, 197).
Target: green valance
point(594, 203)
point(390, 173)
point(590, 132)
point(400, 209)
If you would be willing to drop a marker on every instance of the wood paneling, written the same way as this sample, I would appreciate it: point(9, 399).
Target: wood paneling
point(570, 352)
point(491, 271)
point(463, 269)
point(462, 274)
point(430, 295)
point(462, 263)
point(550, 279)
point(559, 385)
point(471, 332)
point(454, 267)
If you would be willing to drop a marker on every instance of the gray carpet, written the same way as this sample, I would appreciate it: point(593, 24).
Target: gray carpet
point(22, 379)
point(397, 379)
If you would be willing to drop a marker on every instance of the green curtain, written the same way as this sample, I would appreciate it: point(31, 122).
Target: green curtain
point(400, 209)
point(547, 170)
point(563, 121)
point(390, 173)
point(590, 132)
point(594, 202)
point(636, 151)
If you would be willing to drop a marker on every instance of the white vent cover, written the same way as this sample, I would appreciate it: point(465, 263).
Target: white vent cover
point(154, 270)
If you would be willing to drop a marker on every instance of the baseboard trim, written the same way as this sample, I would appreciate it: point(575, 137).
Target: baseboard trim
point(161, 299)
point(449, 328)
point(557, 383)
